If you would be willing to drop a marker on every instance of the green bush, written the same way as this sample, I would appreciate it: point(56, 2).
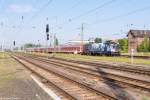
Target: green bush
point(123, 44)
point(144, 46)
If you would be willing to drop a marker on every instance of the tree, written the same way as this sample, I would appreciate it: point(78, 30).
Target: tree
point(30, 45)
point(144, 46)
point(56, 42)
point(123, 44)
point(98, 40)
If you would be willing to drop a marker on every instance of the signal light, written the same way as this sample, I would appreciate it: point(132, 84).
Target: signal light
point(47, 28)
point(47, 36)
point(14, 43)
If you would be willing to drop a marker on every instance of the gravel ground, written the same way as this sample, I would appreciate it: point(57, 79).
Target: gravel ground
point(16, 83)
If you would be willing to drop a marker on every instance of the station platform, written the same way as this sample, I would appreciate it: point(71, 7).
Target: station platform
point(16, 82)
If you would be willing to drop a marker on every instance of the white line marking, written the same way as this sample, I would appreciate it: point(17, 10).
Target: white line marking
point(46, 89)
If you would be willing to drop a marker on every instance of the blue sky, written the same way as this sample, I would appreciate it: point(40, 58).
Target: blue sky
point(111, 20)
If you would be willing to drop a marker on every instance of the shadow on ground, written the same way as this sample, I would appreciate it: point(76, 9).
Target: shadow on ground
point(116, 89)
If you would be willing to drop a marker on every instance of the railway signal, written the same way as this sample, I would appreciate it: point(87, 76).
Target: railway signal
point(47, 28)
point(47, 36)
point(47, 32)
point(14, 43)
point(22, 18)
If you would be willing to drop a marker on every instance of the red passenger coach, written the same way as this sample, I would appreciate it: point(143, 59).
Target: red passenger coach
point(74, 49)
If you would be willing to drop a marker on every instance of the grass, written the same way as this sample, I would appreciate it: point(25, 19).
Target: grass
point(6, 67)
point(3, 55)
point(3, 70)
point(105, 58)
point(144, 98)
point(99, 58)
point(139, 54)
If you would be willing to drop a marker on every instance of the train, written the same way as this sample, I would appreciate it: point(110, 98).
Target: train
point(106, 48)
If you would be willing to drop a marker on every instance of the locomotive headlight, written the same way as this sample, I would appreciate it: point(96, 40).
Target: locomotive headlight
point(113, 50)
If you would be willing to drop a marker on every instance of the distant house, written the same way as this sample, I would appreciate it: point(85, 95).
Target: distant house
point(135, 38)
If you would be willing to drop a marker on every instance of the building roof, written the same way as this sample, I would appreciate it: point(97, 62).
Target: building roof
point(79, 41)
point(139, 33)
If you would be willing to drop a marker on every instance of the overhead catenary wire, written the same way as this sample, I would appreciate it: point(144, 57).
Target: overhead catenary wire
point(40, 10)
point(122, 15)
point(79, 2)
point(88, 12)
point(92, 10)
point(37, 13)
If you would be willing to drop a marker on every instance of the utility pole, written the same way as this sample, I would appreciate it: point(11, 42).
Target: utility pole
point(55, 36)
point(2, 47)
point(51, 36)
point(82, 36)
point(38, 46)
point(54, 42)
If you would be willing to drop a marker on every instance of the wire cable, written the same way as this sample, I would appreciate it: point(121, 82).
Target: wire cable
point(79, 2)
point(123, 15)
point(36, 14)
point(88, 12)
point(41, 9)
point(92, 10)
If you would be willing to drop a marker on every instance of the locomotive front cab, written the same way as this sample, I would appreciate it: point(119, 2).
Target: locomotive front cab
point(112, 48)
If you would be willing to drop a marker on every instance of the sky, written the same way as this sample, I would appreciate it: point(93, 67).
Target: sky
point(25, 20)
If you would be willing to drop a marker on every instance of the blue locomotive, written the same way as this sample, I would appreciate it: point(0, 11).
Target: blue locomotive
point(107, 48)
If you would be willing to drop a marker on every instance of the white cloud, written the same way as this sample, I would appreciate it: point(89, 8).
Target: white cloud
point(20, 8)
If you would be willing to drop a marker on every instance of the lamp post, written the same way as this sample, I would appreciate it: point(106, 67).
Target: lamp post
point(39, 46)
point(54, 41)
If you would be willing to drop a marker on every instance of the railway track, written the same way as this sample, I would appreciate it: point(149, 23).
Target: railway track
point(75, 89)
point(120, 79)
point(137, 69)
point(123, 67)
point(56, 92)
point(59, 91)
point(93, 74)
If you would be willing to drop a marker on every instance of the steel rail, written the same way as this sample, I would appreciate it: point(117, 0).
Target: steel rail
point(85, 85)
point(53, 85)
point(96, 73)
